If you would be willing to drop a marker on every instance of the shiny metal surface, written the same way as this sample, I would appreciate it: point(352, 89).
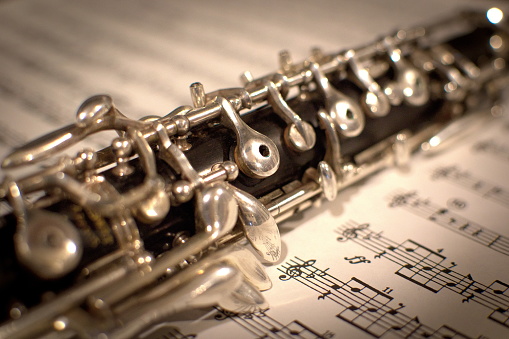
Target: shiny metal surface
point(344, 111)
point(453, 131)
point(255, 154)
point(374, 100)
point(122, 149)
point(206, 288)
point(299, 134)
point(411, 84)
point(327, 180)
point(333, 150)
point(132, 290)
point(259, 226)
point(95, 114)
point(216, 209)
point(47, 243)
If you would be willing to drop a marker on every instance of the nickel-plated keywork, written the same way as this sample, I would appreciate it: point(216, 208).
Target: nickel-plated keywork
point(158, 223)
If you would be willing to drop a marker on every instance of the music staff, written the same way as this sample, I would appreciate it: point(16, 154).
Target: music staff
point(363, 305)
point(465, 179)
point(493, 148)
point(427, 268)
point(451, 220)
point(166, 332)
point(351, 233)
point(263, 326)
point(296, 271)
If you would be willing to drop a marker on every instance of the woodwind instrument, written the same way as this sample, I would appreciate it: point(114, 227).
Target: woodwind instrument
point(163, 220)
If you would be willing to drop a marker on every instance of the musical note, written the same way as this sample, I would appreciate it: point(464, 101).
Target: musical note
point(414, 320)
point(468, 277)
point(395, 311)
point(358, 260)
point(364, 306)
point(421, 270)
point(335, 287)
point(477, 233)
point(452, 221)
point(448, 269)
point(424, 267)
point(440, 212)
point(493, 192)
point(468, 298)
point(499, 287)
point(379, 255)
point(262, 325)
point(324, 294)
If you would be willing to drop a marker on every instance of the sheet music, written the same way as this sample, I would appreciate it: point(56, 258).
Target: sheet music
point(414, 253)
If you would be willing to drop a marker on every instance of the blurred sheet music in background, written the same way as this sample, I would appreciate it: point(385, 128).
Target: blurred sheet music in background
point(54, 54)
point(351, 268)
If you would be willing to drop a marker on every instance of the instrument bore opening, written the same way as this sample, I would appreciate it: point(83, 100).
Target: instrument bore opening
point(349, 114)
point(264, 151)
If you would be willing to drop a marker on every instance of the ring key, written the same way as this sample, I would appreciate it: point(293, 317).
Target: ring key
point(327, 180)
point(374, 100)
point(411, 85)
point(299, 135)
point(45, 242)
point(255, 154)
point(344, 111)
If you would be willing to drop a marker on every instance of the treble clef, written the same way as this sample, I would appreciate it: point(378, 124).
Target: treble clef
point(351, 232)
point(294, 271)
point(401, 199)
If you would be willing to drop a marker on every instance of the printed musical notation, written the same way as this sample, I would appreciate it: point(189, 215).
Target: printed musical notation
point(166, 332)
point(429, 269)
point(263, 326)
point(363, 306)
point(450, 220)
point(492, 147)
point(476, 185)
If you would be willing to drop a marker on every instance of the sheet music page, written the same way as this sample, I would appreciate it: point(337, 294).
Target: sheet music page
point(415, 253)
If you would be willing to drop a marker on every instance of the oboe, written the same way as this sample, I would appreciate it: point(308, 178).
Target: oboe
point(182, 210)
